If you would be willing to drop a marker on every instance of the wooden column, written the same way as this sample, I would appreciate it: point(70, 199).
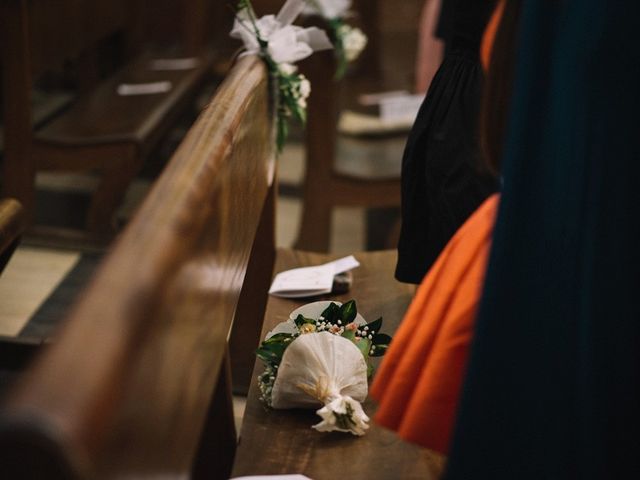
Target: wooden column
point(18, 168)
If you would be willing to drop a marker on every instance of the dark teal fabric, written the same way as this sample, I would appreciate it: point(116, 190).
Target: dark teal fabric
point(552, 388)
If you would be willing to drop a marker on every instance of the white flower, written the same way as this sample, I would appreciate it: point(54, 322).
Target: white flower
point(288, 69)
point(305, 87)
point(353, 41)
point(328, 8)
point(343, 414)
point(307, 328)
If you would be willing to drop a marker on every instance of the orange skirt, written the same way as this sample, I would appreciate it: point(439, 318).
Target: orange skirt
point(418, 383)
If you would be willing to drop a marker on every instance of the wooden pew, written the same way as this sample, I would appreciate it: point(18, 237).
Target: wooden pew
point(102, 131)
point(136, 383)
point(138, 380)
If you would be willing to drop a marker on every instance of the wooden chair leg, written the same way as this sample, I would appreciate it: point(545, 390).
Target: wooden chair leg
point(394, 234)
point(217, 449)
point(110, 192)
point(315, 228)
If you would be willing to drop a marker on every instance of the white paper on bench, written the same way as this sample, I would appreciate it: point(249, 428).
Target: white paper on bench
point(149, 88)
point(273, 477)
point(372, 99)
point(309, 281)
point(187, 63)
point(403, 107)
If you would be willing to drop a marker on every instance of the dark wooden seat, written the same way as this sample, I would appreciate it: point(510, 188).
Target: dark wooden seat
point(137, 383)
point(102, 131)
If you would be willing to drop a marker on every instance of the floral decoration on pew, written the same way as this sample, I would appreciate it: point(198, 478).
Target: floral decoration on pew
point(321, 356)
point(281, 44)
point(349, 41)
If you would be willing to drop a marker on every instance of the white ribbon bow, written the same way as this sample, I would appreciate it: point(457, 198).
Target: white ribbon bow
point(286, 43)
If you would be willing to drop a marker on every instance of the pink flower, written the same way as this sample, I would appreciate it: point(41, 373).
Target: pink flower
point(352, 326)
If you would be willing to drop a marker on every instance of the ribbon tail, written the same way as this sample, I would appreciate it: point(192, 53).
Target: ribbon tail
point(316, 38)
point(290, 11)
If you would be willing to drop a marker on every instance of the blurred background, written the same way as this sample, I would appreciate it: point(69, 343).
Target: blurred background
point(61, 62)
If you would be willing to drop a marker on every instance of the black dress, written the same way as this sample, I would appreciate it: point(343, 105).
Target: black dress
point(443, 181)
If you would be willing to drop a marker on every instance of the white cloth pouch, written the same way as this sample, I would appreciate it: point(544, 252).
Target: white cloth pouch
point(322, 369)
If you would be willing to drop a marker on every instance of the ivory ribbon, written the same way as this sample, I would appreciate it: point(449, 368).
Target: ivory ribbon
point(336, 405)
point(286, 43)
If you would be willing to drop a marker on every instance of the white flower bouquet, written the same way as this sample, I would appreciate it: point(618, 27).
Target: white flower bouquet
point(320, 357)
point(281, 44)
point(349, 41)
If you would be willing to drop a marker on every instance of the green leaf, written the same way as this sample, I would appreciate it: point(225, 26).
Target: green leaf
point(331, 313)
point(348, 312)
point(381, 339)
point(267, 355)
point(279, 338)
point(376, 325)
point(272, 349)
point(301, 320)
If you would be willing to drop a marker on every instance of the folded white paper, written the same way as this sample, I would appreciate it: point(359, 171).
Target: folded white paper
point(150, 88)
point(310, 281)
point(272, 477)
point(371, 99)
point(354, 123)
point(404, 107)
point(174, 63)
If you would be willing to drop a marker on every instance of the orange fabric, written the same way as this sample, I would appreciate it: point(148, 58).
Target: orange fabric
point(490, 35)
point(418, 383)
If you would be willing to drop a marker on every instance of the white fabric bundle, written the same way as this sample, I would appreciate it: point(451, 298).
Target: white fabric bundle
point(324, 369)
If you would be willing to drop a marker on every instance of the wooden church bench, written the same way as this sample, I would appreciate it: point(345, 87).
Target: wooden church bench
point(101, 131)
point(137, 383)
